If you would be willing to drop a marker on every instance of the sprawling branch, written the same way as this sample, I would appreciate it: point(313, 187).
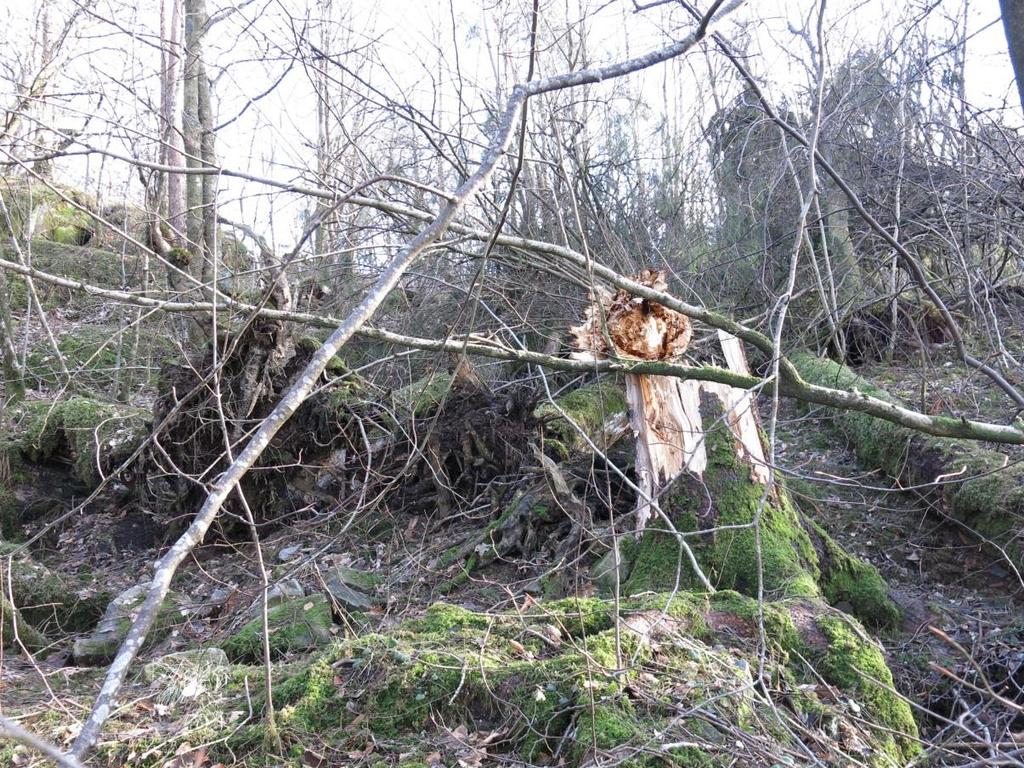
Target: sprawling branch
point(793, 386)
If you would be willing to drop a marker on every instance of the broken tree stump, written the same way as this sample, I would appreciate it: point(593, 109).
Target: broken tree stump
point(665, 411)
point(701, 467)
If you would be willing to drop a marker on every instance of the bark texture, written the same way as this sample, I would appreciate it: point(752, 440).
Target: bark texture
point(1013, 23)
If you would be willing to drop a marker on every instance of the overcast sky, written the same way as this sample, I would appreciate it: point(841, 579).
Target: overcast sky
point(271, 136)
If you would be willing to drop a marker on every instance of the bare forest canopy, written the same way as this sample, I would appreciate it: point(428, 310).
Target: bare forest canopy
point(509, 382)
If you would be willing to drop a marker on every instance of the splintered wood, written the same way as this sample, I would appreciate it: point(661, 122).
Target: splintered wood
point(664, 411)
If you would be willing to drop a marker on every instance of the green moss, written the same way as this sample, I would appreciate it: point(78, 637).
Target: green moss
point(728, 557)
point(90, 432)
point(10, 513)
point(47, 601)
point(454, 666)
point(424, 396)
point(990, 502)
point(444, 617)
point(856, 665)
point(336, 367)
point(14, 629)
point(579, 616)
point(848, 579)
point(608, 724)
point(295, 626)
point(314, 701)
point(96, 356)
point(66, 224)
point(590, 406)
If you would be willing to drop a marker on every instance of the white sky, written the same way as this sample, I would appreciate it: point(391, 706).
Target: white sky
point(272, 136)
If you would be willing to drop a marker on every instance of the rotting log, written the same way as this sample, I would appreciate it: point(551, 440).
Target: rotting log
point(976, 486)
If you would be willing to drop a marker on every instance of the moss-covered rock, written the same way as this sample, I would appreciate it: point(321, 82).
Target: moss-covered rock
point(91, 434)
point(295, 626)
point(50, 603)
point(101, 646)
point(851, 581)
point(424, 396)
point(855, 664)
point(570, 676)
point(15, 631)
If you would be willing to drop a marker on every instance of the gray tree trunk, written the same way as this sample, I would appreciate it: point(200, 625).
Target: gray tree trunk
point(1013, 23)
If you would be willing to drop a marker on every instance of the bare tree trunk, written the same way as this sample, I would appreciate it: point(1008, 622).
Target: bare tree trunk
point(208, 247)
point(1013, 23)
point(172, 192)
point(197, 124)
point(14, 383)
point(195, 21)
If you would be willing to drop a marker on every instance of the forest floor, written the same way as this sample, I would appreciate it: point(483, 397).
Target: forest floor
point(940, 577)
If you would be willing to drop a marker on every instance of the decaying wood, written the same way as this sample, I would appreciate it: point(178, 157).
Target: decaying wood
point(664, 411)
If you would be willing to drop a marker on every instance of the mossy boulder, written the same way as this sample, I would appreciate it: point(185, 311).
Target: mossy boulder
point(90, 434)
point(39, 210)
point(15, 632)
point(592, 407)
point(295, 626)
point(575, 676)
point(52, 604)
point(424, 396)
point(848, 580)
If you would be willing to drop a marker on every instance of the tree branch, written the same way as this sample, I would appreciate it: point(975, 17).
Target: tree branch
point(306, 380)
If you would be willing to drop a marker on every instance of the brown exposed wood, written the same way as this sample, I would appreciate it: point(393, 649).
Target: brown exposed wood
point(664, 411)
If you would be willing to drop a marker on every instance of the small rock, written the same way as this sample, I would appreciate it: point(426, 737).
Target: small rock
point(350, 598)
point(361, 580)
point(602, 573)
point(101, 646)
point(534, 587)
point(294, 626)
point(289, 553)
point(286, 589)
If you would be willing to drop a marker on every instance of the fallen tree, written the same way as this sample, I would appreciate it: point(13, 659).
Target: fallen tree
point(976, 486)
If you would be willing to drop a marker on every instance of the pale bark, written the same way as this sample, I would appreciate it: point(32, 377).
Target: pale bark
point(173, 193)
point(195, 23)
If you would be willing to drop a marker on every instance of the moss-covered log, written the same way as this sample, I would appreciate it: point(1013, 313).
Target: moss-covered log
point(975, 485)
